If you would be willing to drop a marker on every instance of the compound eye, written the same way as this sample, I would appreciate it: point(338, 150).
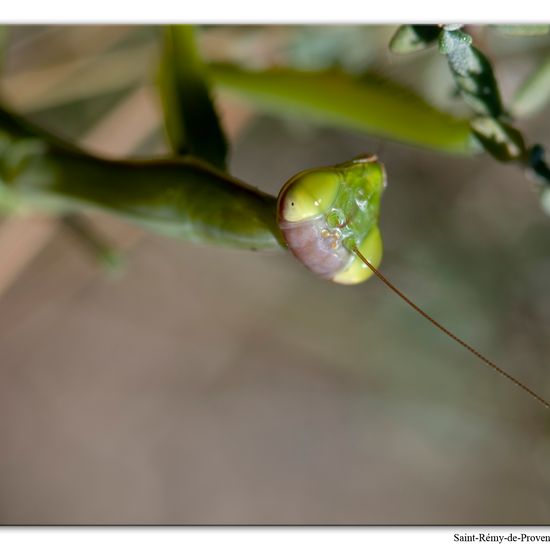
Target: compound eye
point(309, 195)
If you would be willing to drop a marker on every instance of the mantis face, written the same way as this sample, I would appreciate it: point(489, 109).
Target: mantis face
point(326, 213)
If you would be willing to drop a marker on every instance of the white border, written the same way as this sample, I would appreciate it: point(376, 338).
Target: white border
point(252, 12)
point(264, 538)
point(280, 11)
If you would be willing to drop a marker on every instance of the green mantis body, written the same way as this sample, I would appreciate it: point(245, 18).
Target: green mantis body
point(181, 197)
point(327, 217)
point(188, 198)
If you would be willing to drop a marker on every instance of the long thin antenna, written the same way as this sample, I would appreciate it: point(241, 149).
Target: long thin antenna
point(449, 333)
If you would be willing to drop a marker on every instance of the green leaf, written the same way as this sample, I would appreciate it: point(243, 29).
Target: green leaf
point(534, 93)
point(413, 38)
point(472, 72)
point(524, 30)
point(371, 104)
point(501, 140)
point(190, 117)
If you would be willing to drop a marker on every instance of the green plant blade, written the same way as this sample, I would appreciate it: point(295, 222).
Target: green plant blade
point(190, 117)
point(499, 139)
point(472, 72)
point(370, 104)
point(534, 93)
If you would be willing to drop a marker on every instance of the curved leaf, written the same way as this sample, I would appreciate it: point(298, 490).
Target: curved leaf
point(472, 72)
point(501, 140)
point(189, 114)
point(370, 104)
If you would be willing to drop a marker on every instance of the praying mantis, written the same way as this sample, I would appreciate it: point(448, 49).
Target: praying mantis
point(326, 217)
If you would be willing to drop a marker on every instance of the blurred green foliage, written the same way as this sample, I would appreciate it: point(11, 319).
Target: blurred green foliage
point(189, 115)
point(369, 101)
point(477, 84)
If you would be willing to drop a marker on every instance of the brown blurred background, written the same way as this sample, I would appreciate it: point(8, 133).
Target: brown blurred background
point(206, 385)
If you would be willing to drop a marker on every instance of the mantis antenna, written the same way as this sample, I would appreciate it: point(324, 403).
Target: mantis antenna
point(448, 332)
point(329, 220)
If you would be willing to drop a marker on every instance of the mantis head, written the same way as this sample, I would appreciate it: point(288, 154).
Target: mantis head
point(327, 213)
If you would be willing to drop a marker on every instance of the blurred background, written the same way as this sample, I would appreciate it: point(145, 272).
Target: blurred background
point(207, 385)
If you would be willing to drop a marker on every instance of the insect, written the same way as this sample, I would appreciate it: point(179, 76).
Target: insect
point(327, 217)
point(325, 214)
point(329, 220)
